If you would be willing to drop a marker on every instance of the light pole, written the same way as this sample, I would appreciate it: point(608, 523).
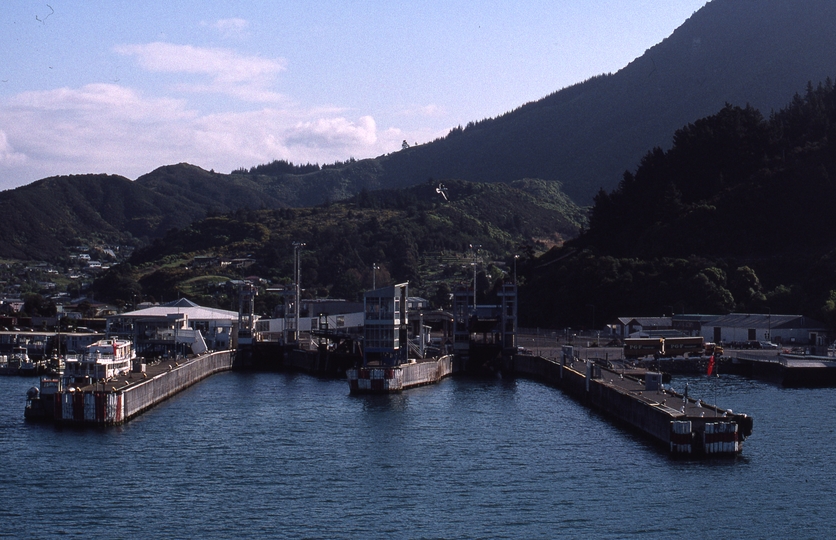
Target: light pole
point(297, 272)
point(374, 275)
point(515, 268)
point(474, 249)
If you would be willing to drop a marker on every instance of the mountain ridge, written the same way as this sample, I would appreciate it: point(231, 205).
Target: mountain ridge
point(584, 136)
point(736, 51)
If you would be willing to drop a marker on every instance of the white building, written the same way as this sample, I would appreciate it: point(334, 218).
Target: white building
point(171, 328)
point(752, 327)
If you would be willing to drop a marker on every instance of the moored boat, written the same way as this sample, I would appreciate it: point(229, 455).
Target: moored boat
point(29, 367)
point(100, 362)
point(8, 366)
point(19, 363)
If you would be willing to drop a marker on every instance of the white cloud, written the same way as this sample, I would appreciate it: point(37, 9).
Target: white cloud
point(245, 77)
point(107, 128)
point(8, 157)
point(330, 132)
point(431, 111)
point(231, 28)
point(110, 128)
point(96, 128)
point(118, 101)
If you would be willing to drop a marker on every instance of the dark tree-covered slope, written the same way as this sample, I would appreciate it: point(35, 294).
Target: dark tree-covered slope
point(737, 215)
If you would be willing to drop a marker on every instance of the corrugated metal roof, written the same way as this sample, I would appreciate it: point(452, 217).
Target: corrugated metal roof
point(187, 307)
point(646, 321)
point(762, 320)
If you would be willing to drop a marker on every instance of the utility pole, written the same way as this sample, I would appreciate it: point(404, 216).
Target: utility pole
point(474, 249)
point(296, 247)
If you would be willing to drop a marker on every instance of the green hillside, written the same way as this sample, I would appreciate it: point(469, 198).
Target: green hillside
point(585, 136)
point(412, 234)
point(43, 219)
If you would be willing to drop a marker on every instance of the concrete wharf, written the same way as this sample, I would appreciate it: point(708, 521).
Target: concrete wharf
point(680, 423)
point(790, 370)
point(121, 398)
point(380, 379)
point(637, 398)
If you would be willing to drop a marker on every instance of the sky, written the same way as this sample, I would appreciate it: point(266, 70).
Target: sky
point(123, 87)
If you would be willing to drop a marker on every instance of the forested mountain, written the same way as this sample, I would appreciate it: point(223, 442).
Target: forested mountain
point(42, 219)
point(755, 52)
point(737, 215)
point(413, 234)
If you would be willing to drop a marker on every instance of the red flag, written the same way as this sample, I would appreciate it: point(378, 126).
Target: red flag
point(711, 364)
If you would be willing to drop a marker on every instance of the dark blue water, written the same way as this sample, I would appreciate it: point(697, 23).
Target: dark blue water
point(282, 455)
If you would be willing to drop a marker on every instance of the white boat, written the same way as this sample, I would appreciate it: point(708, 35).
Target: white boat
point(8, 366)
point(103, 360)
point(28, 367)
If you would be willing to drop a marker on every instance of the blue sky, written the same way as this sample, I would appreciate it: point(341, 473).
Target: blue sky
point(125, 87)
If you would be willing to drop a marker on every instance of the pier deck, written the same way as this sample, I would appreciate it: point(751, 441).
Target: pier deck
point(628, 381)
point(121, 398)
point(683, 424)
point(788, 370)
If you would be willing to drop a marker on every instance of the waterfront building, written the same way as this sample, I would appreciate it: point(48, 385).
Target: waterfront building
point(179, 327)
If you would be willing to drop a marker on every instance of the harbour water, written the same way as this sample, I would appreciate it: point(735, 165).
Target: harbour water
point(287, 455)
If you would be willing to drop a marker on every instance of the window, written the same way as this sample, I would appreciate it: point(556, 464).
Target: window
point(340, 321)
